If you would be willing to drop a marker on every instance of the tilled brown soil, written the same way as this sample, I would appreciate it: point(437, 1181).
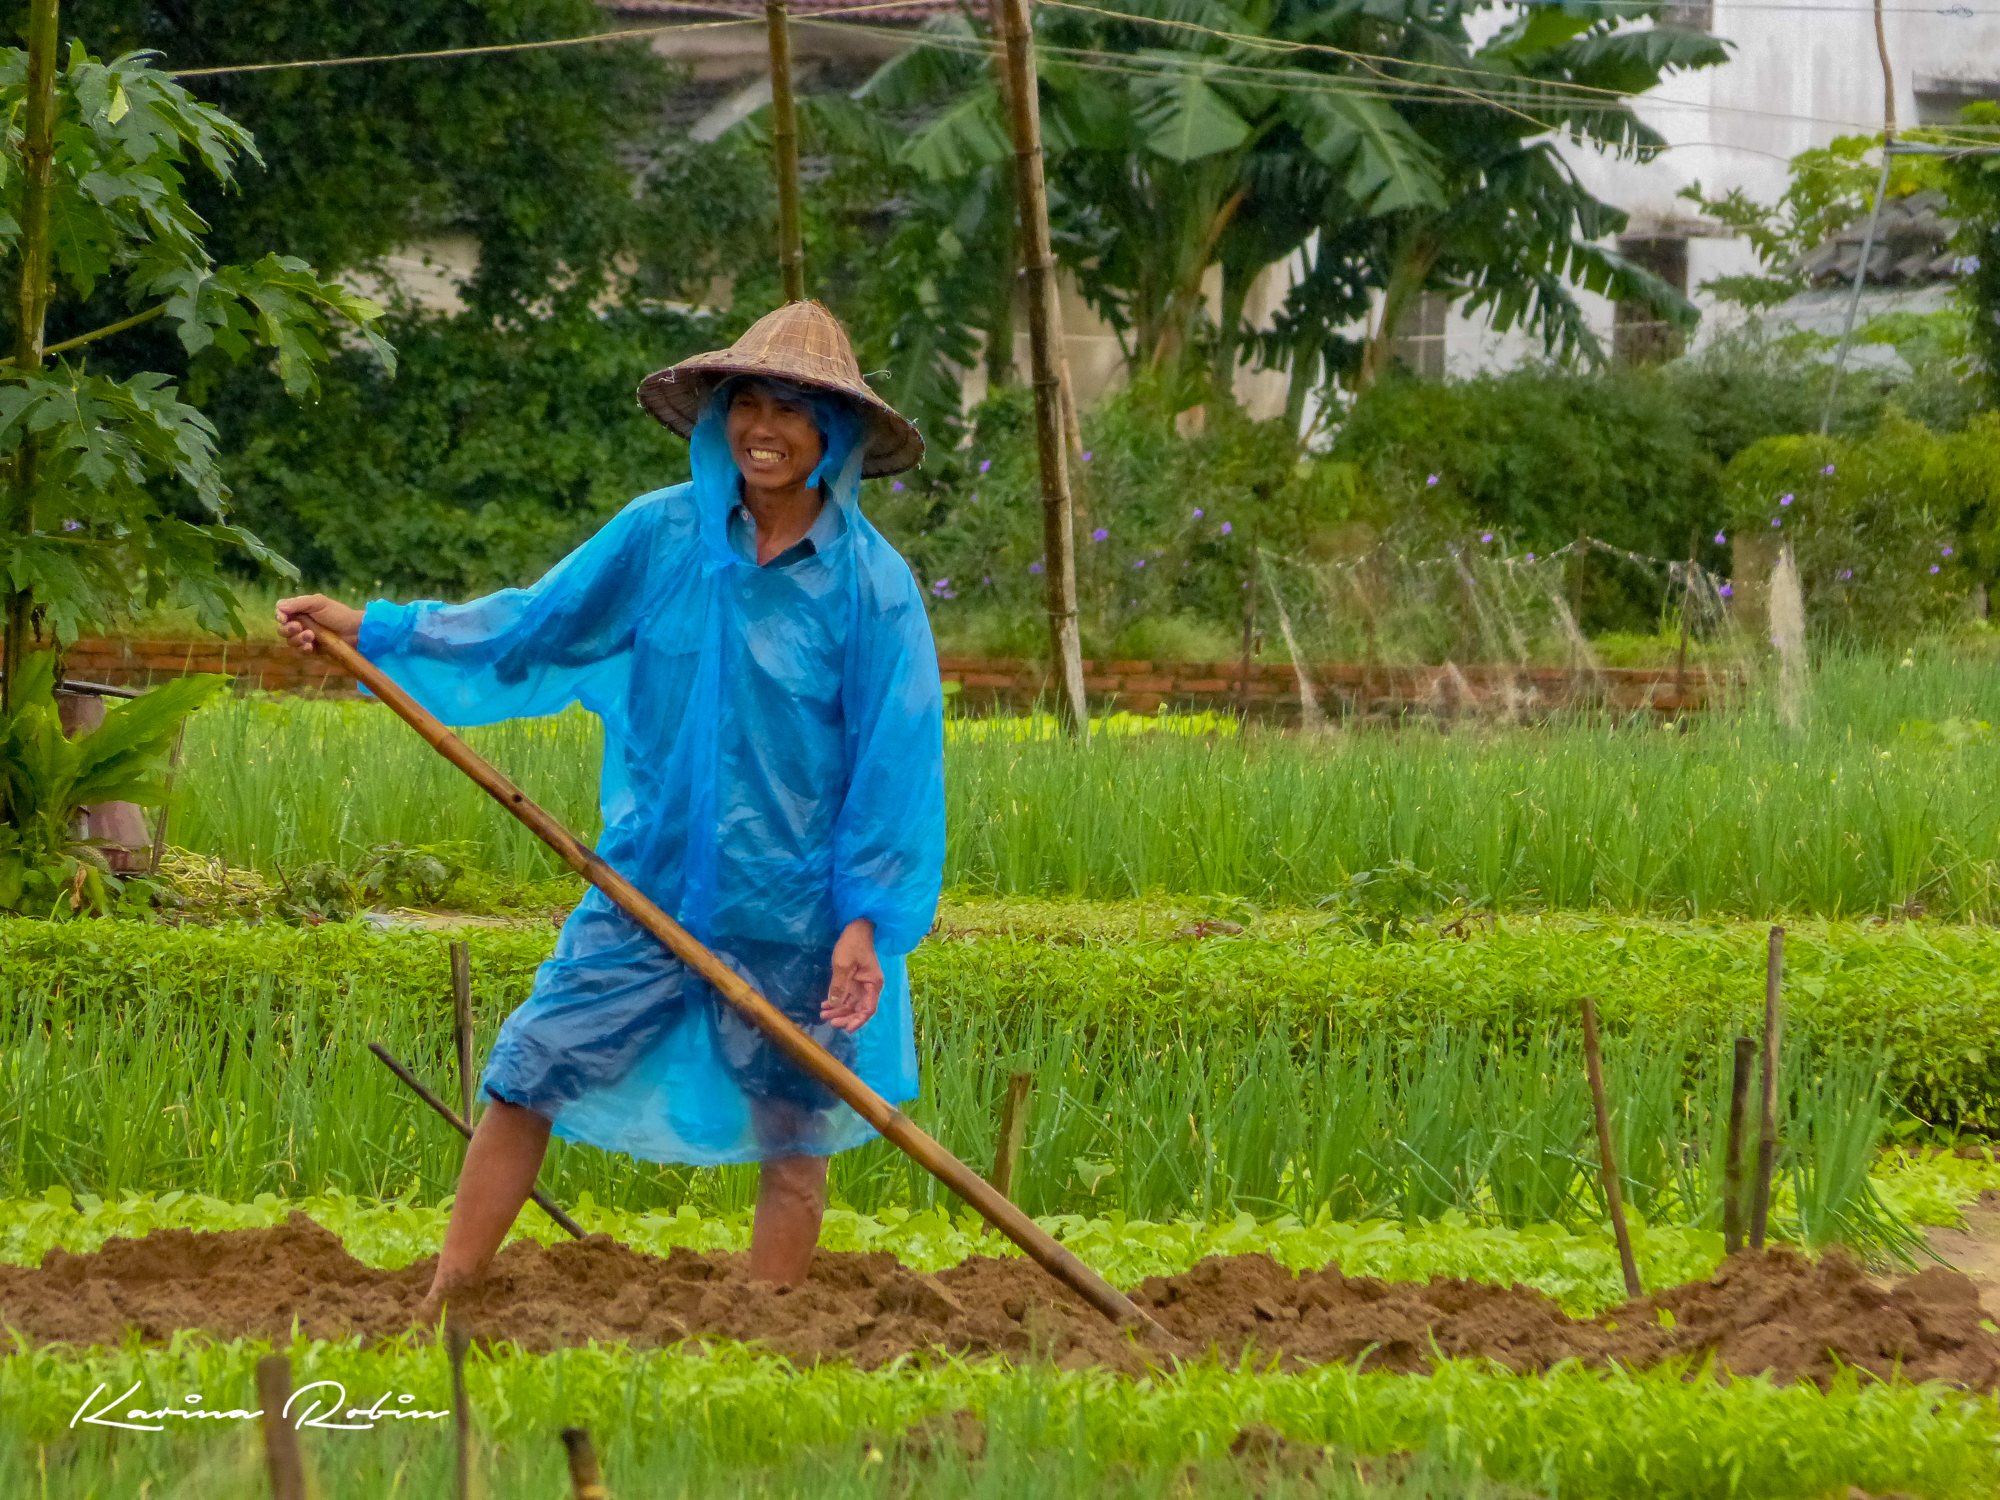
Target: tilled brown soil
point(1774, 1312)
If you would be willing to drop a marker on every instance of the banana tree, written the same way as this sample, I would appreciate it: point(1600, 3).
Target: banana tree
point(1517, 231)
point(1158, 140)
point(1187, 133)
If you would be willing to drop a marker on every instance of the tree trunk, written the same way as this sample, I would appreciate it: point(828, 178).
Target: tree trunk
point(785, 151)
point(1236, 284)
point(1000, 325)
point(1183, 300)
point(1406, 281)
point(1304, 358)
point(37, 282)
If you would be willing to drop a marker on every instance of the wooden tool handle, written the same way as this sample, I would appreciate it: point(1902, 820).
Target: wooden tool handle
point(891, 1123)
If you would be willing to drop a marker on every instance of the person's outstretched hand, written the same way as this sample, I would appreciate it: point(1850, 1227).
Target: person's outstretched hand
point(301, 617)
point(857, 979)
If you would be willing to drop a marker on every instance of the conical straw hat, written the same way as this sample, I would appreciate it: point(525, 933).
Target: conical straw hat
point(801, 342)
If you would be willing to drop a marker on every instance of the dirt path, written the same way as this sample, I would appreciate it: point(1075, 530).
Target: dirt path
point(1975, 1249)
point(1776, 1312)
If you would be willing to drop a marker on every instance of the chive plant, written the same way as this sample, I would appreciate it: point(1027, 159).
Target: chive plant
point(1155, 1119)
point(1878, 804)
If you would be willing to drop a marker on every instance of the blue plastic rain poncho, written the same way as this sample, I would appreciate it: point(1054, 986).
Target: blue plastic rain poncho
point(773, 770)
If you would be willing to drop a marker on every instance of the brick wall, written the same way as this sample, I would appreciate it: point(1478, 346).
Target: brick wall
point(1341, 689)
point(1271, 691)
point(271, 665)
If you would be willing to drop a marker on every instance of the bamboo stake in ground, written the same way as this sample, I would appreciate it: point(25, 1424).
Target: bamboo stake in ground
point(1013, 1126)
point(461, 1009)
point(785, 148)
point(889, 1122)
point(1767, 1134)
point(281, 1439)
point(541, 1199)
point(1038, 262)
point(1614, 1196)
point(586, 1480)
point(456, 1342)
point(1732, 1160)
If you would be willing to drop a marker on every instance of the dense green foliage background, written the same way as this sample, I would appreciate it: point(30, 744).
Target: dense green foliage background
point(511, 432)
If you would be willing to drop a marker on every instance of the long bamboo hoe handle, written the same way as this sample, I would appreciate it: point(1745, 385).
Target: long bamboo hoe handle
point(891, 1123)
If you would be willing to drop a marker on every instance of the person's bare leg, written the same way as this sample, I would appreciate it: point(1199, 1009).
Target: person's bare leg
point(501, 1161)
point(791, 1200)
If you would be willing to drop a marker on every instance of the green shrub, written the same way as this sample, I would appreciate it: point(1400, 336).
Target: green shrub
point(1164, 525)
point(491, 454)
point(1875, 525)
point(1541, 454)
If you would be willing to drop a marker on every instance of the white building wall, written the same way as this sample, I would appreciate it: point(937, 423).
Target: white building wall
point(1799, 75)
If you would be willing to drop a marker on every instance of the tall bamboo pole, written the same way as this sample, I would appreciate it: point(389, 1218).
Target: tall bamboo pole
point(805, 1053)
point(38, 129)
point(1888, 78)
point(1045, 345)
point(785, 144)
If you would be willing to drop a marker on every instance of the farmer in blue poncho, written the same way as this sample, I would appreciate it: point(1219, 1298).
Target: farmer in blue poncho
point(773, 777)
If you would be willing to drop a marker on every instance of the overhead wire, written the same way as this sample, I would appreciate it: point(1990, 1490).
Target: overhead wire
point(548, 44)
point(1303, 81)
point(1382, 86)
point(1519, 81)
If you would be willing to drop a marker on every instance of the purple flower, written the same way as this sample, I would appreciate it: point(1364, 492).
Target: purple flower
point(1934, 567)
point(1140, 563)
point(1776, 522)
point(975, 497)
point(897, 485)
point(72, 526)
point(1197, 512)
point(1947, 552)
point(1727, 592)
point(1431, 483)
point(988, 579)
point(942, 588)
point(1721, 540)
point(1226, 528)
point(1034, 567)
point(1485, 536)
point(1827, 470)
point(985, 464)
point(1086, 455)
point(1531, 557)
point(1099, 535)
point(1847, 572)
point(1784, 499)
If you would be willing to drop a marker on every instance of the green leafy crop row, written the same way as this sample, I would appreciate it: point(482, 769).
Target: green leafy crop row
point(725, 1410)
point(1929, 994)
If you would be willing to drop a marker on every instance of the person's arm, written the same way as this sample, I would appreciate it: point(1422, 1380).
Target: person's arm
point(517, 653)
point(888, 843)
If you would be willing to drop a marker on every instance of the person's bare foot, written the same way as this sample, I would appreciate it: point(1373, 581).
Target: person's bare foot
point(442, 1290)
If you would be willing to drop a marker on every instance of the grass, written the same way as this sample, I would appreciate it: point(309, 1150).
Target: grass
point(730, 1422)
point(1878, 805)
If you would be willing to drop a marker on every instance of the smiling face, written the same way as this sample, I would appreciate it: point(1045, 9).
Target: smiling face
point(772, 437)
